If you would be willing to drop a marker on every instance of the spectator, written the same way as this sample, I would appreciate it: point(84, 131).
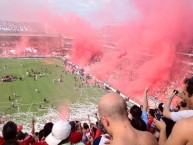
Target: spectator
point(60, 133)
point(98, 131)
point(184, 111)
point(44, 133)
point(9, 131)
point(75, 136)
point(135, 112)
point(169, 125)
point(113, 114)
point(151, 116)
point(147, 117)
point(183, 105)
point(87, 136)
point(48, 128)
point(20, 135)
point(136, 120)
point(139, 124)
point(160, 108)
point(182, 131)
point(41, 134)
point(144, 108)
point(93, 127)
point(11, 142)
point(102, 138)
point(10, 135)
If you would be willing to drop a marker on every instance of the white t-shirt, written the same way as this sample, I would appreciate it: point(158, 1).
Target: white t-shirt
point(103, 140)
point(181, 114)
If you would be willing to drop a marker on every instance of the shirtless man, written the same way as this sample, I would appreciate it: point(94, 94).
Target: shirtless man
point(113, 114)
point(183, 129)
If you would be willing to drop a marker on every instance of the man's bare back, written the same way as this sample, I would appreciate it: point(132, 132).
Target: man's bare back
point(114, 116)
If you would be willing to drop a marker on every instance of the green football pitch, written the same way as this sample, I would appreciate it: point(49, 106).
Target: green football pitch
point(38, 84)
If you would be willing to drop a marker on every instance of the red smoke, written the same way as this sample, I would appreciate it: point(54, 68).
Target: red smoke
point(156, 30)
point(86, 44)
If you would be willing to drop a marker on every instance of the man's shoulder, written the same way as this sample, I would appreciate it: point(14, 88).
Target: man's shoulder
point(146, 138)
point(182, 131)
point(185, 123)
point(185, 126)
point(188, 120)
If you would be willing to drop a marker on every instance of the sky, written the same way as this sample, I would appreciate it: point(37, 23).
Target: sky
point(88, 9)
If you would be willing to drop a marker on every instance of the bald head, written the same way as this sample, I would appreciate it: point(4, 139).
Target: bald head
point(113, 106)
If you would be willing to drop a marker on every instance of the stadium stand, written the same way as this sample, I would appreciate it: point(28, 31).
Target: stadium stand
point(20, 27)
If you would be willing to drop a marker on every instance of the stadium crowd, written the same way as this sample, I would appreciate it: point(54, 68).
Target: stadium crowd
point(117, 124)
point(18, 27)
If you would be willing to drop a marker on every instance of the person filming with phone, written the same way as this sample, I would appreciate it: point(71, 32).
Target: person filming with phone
point(183, 112)
point(182, 131)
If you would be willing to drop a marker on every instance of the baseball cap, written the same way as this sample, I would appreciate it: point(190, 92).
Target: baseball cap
point(60, 131)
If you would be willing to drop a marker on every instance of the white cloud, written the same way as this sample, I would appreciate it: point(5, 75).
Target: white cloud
point(106, 1)
point(86, 3)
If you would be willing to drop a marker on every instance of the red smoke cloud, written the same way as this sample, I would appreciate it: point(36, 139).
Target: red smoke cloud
point(156, 30)
point(86, 44)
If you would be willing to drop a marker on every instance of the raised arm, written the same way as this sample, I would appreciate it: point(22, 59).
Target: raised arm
point(89, 120)
point(145, 100)
point(166, 111)
point(32, 126)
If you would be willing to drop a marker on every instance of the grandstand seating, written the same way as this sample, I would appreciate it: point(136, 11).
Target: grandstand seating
point(19, 27)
